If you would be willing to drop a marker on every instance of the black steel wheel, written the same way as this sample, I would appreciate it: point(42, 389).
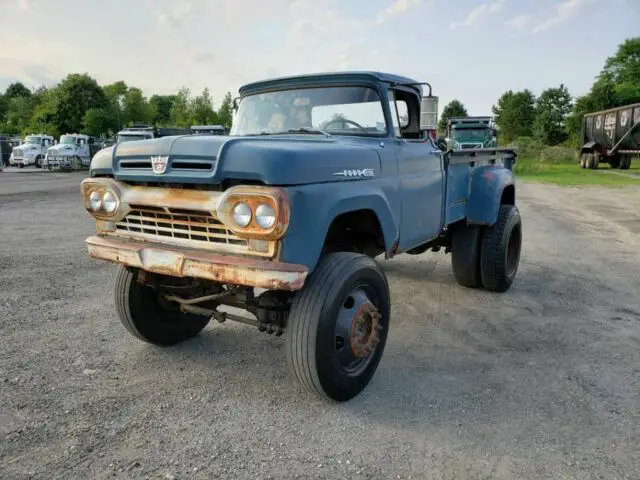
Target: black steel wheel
point(501, 247)
point(338, 326)
point(148, 317)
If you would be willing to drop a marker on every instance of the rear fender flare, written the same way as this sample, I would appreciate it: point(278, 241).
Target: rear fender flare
point(486, 187)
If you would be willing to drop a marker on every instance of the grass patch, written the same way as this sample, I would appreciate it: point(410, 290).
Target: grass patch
point(567, 172)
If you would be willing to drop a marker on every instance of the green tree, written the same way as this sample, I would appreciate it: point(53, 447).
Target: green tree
point(514, 114)
point(623, 71)
point(17, 89)
point(77, 93)
point(181, 112)
point(552, 108)
point(45, 111)
point(136, 108)
point(100, 121)
point(455, 108)
point(202, 108)
point(617, 84)
point(162, 105)
point(225, 112)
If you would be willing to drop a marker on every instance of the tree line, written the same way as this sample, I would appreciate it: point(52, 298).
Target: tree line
point(79, 105)
point(555, 117)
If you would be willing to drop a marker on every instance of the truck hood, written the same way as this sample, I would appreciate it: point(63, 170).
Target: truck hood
point(272, 160)
point(27, 146)
point(62, 149)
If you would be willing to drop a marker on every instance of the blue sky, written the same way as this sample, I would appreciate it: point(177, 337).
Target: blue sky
point(472, 50)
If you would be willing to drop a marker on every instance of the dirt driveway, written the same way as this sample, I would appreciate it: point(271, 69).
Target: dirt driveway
point(541, 382)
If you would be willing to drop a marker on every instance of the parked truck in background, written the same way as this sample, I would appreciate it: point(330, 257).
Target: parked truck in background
point(611, 136)
point(285, 217)
point(74, 151)
point(33, 150)
point(209, 130)
point(145, 132)
point(471, 132)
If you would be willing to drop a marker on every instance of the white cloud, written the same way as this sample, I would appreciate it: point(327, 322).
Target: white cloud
point(398, 7)
point(23, 4)
point(520, 22)
point(564, 11)
point(478, 13)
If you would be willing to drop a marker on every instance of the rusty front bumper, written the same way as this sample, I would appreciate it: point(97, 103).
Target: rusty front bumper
point(182, 262)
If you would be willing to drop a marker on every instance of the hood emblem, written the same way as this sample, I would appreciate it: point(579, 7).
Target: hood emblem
point(159, 164)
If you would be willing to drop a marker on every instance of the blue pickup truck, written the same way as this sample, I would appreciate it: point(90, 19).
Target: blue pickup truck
point(285, 216)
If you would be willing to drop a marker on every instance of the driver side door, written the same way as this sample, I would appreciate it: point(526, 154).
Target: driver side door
point(421, 180)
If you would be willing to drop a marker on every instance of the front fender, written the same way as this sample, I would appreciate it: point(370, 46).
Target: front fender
point(314, 207)
point(486, 186)
point(102, 162)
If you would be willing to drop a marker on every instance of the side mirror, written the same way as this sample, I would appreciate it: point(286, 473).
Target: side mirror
point(429, 113)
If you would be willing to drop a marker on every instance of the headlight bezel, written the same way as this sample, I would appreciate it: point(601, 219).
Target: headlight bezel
point(100, 189)
point(254, 196)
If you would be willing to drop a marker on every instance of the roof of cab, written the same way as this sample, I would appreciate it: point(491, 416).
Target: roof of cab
point(367, 76)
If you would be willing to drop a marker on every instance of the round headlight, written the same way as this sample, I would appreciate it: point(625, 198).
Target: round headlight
point(95, 202)
point(109, 202)
point(265, 216)
point(242, 214)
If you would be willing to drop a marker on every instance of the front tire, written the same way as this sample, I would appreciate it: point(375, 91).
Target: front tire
point(141, 312)
point(338, 326)
point(501, 247)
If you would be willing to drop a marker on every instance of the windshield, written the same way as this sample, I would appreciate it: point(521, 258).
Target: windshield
point(130, 138)
point(335, 110)
point(471, 133)
point(32, 140)
point(67, 140)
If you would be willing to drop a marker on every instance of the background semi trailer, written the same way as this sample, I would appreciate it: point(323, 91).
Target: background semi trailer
point(144, 132)
point(611, 136)
point(471, 132)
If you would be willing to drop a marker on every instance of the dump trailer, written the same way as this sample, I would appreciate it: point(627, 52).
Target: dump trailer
point(471, 132)
point(611, 136)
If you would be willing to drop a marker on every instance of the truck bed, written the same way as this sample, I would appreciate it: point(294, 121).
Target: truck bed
point(460, 168)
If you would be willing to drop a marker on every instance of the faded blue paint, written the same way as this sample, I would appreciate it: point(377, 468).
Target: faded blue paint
point(486, 185)
point(315, 206)
point(416, 189)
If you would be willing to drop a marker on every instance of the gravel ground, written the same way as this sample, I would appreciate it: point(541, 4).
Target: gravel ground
point(540, 382)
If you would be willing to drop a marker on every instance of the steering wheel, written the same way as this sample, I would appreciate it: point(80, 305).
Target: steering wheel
point(342, 120)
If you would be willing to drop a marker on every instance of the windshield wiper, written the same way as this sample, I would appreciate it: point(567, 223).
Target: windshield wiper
point(308, 130)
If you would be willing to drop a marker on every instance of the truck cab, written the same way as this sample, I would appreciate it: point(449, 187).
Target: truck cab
point(74, 150)
point(290, 216)
point(32, 151)
point(471, 132)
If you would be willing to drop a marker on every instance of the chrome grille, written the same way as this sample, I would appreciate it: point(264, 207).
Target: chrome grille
point(17, 153)
point(193, 228)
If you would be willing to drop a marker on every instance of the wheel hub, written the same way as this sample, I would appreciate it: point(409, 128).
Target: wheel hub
point(365, 326)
